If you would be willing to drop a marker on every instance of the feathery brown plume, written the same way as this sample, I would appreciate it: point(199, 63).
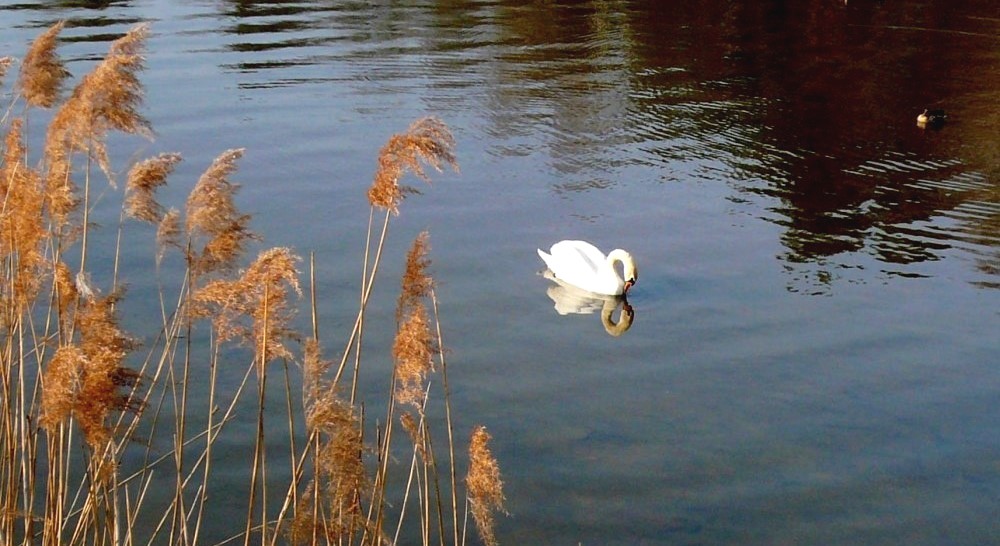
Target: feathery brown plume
point(413, 348)
point(143, 180)
point(168, 233)
point(414, 430)
point(42, 72)
point(5, 63)
point(314, 385)
point(417, 283)
point(428, 140)
point(21, 223)
point(340, 470)
point(212, 216)
point(413, 351)
point(340, 483)
point(255, 306)
point(60, 192)
point(485, 488)
point(107, 98)
point(105, 347)
point(61, 386)
point(84, 380)
point(66, 293)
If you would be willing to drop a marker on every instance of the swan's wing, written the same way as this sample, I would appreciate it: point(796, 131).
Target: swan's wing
point(579, 256)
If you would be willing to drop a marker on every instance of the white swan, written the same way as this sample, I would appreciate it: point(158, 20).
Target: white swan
point(582, 265)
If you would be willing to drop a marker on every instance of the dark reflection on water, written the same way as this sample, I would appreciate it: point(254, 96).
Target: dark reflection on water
point(814, 107)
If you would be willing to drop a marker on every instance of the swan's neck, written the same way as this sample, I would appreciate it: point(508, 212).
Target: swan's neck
point(628, 264)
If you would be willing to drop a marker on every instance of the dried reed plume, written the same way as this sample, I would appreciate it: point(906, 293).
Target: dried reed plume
point(21, 222)
point(62, 382)
point(67, 294)
point(413, 351)
point(168, 233)
point(417, 283)
point(427, 139)
point(413, 348)
point(107, 98)
point(5, 63)
point(42, 71)
point(212, 216)
point(255, 306)
point(314, 385)
point(340, 473)
point(84, 380)
point(140, 190)
point(485, 488)
point(105, 347)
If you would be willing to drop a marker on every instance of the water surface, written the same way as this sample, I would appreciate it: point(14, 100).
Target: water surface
point(813, 357)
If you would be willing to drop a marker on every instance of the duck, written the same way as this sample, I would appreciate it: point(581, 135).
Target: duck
point(931, 117)
point(583, 265)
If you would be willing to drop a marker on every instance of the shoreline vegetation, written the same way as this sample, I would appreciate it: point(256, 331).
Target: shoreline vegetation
point(82, 400)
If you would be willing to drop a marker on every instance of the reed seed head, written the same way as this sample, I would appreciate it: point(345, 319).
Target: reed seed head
point(108, 98)
point(417, 282)
point(413, 350)
point(105, 347)
point(140, 190)
point(67, 295)
point(427, 140)
point(341, 478)
point(168, 233)
point(413, 428)
point(62, 381)
point(5, 63)
point(314, 386)
point(484, 486)
point(213, 219)
point(42, 71)
point(22, 231)
point(254, 307)
point(85, 380)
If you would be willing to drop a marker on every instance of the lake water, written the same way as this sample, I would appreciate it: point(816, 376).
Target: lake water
point(814, 352)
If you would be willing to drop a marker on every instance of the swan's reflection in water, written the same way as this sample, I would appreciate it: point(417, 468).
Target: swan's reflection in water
point(570, 300)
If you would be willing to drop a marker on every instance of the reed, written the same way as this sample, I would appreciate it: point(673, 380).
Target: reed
point(103, 441)
point(42, 71)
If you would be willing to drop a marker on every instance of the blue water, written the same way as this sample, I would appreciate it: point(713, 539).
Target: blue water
point(813, 357)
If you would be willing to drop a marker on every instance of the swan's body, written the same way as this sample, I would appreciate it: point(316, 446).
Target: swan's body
point(582, 265)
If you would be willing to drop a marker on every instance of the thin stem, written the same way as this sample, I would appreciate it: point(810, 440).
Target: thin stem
point(447, 413)
point(86, 216)
point(364, 302)
point(257, 457)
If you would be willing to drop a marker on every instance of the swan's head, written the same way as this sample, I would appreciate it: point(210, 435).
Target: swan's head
point(631, 271)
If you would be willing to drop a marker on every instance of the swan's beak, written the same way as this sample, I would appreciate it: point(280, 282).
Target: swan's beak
point(628, 284)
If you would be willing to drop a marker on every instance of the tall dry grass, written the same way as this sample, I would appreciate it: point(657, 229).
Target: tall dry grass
point(91, 423)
